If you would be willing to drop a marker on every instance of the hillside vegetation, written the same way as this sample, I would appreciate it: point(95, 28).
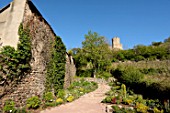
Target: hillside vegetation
point(156, 51)
point(143, 69)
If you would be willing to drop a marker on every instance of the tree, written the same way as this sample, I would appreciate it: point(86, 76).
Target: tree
point(167, 40)
point(96, 51)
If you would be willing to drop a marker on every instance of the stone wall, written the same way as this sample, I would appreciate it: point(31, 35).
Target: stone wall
point(42, 38)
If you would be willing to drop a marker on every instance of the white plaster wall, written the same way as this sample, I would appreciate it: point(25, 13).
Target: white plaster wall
point(13, 19)
point(3, 16)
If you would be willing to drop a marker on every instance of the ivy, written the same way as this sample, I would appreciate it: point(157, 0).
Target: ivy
point(15, 63)
point(56, 67)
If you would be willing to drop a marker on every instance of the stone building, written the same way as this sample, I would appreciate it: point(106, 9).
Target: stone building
point(42, 36)
point(116, 43)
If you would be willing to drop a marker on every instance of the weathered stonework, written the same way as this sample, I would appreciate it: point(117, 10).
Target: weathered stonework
point(42, 38)
point(116, 43)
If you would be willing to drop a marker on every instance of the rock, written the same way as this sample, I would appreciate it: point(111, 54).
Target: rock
point(109, 109)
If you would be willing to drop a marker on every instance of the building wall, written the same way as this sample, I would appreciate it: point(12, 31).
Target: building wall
point(42, 38)
point(14, 15)
point(3, 18)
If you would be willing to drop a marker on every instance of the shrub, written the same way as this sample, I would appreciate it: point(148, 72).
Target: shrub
point(9, 107)
point(127, 101)
point(84, 73)
point(49, 104)
point(108, 99)
point(33, 102)
point(59, 101)
point(61, 93)
point(141, 107)
point(104, 74)
point(156, 110)
point(22, 110)
point(140, 99)
point(129, 75)
point(48, 97)
point(81, 89)
point(116, 109)
point(70, 98)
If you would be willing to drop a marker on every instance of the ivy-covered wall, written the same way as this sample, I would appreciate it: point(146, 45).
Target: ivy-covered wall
point(38, 65)
point(46, 58)
point(14, 64)
point(56, 67)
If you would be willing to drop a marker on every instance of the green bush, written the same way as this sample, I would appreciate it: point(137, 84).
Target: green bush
point(84, 73)
point(108, 99)
point(48, 97)
point(33, 102)
point(49, 104)
point(129, 75)
point(104, 74)
point(141, 108)
point(61, 93)
point(132, 75)
point(9, 107)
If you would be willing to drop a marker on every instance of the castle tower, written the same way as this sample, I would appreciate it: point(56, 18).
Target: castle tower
point(116, 43)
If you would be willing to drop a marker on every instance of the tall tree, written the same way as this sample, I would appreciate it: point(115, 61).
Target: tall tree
point(96, 51)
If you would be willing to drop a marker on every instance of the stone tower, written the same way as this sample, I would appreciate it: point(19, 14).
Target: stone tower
point(116, 43)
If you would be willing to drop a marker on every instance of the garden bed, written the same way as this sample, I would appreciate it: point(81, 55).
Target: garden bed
point(126, 101)
point(35, 104)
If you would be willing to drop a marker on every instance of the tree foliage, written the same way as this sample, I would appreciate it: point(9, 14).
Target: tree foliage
point(157, 50)
point(94, 56)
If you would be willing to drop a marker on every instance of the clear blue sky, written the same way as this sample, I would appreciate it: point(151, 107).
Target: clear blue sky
point(134, 21)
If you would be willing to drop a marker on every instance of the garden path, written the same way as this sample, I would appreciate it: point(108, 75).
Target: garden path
point(89, 103)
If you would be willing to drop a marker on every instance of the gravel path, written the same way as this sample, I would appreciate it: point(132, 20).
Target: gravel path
point(89, 103)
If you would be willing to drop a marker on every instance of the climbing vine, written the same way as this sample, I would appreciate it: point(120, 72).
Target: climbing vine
point(56, 67)
point(14, 63)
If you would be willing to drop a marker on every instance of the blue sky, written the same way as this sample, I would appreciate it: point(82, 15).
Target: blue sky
point(134, 21)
